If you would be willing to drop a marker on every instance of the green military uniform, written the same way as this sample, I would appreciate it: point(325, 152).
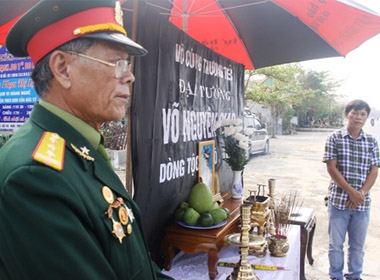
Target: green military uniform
point(75, 223)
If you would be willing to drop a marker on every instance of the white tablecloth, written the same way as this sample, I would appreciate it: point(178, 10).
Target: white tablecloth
point(194, 266)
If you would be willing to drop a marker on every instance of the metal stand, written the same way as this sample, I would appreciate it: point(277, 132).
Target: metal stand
point(244, 270)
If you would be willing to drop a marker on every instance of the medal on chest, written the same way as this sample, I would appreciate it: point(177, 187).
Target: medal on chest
point(119, 213)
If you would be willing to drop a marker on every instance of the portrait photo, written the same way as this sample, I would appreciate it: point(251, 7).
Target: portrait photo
point(206, 166)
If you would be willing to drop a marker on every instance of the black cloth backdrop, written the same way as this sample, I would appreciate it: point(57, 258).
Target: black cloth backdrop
point(181, 88)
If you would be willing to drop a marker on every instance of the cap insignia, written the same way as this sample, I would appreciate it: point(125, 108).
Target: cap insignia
point(118, 13)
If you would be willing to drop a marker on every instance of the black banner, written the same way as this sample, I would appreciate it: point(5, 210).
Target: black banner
point(181, 88)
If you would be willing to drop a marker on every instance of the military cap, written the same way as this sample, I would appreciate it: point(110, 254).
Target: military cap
point(51, 23)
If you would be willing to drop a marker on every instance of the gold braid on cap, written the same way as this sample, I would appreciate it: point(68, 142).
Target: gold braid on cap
point(119, 13)
point(99, 27)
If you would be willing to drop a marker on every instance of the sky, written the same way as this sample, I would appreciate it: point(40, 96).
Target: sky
point(359, 70)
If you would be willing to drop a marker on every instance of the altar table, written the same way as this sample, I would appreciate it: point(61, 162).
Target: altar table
point(210, 241)
point(194, 266)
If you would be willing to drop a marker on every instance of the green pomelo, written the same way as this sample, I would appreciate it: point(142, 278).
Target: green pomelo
point(179, 213)
point(215, 205)
point(184, 205)
point(227, 211)
point(218, 215)
point(201, 198)
point(191, 217)
point(206, 220)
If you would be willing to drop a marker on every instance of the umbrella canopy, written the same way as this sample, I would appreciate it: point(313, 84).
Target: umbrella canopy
point(10, 11)
point(260, 33)
point(256, 33)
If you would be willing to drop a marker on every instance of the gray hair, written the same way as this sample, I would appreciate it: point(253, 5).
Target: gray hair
point(42, 74)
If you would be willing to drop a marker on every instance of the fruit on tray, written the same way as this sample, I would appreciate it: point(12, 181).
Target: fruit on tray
point(200, 198)
point(218, 215)
point(206, 220)
point(191, 216)
point(200, 209)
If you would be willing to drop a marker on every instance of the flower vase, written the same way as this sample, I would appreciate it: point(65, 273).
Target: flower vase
point(237, 186)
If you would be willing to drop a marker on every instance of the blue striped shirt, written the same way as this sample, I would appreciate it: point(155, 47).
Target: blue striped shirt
point(354, 160)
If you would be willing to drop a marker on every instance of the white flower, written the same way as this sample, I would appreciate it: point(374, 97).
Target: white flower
point(238, 129)
point(236, 141)
point(226, 122)
point(216, 125)
point(248, 131)
point(229, 130)
point(237, 121)
point(241, 137)
point(244, 145)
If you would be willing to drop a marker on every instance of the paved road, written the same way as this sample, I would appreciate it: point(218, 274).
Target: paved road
point(295, 161)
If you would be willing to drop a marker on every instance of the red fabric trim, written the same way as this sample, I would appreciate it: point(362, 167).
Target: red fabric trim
point(4, 29)
point(54, 35)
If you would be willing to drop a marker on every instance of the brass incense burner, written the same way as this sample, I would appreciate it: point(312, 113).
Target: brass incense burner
point(260, 212)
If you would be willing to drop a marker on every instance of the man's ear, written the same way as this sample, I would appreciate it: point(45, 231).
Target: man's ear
point(60, 64)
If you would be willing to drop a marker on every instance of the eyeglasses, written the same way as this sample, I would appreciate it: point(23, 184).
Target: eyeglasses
point(121, 66)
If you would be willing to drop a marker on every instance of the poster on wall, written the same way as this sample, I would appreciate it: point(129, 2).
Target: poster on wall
point(17, 93)
point(181, 89)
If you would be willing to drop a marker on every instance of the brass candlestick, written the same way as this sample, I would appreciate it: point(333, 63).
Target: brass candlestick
point(244, 270)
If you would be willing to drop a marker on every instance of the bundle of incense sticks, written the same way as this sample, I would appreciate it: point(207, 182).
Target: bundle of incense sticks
point(254, 266)
point(282, 209)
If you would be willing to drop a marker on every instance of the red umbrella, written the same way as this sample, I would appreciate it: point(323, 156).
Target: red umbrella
point(257, 33)
point(261, 33)
point(10, 11)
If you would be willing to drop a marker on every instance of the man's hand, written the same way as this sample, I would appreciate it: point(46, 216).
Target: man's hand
point(356, 198)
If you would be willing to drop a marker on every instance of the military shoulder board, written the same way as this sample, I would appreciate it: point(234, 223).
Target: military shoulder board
point(50, 150)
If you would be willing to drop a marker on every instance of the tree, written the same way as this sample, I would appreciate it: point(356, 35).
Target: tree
point(277, 90)
point(319, 103)
point(289, 90)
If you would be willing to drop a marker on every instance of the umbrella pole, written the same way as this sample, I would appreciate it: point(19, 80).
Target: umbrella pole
point(185, 16)
point(128, 161)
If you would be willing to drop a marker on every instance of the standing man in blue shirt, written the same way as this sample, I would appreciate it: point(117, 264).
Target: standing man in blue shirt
point(352, 160)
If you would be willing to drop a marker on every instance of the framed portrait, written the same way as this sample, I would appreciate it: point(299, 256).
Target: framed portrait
point(206, 166)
